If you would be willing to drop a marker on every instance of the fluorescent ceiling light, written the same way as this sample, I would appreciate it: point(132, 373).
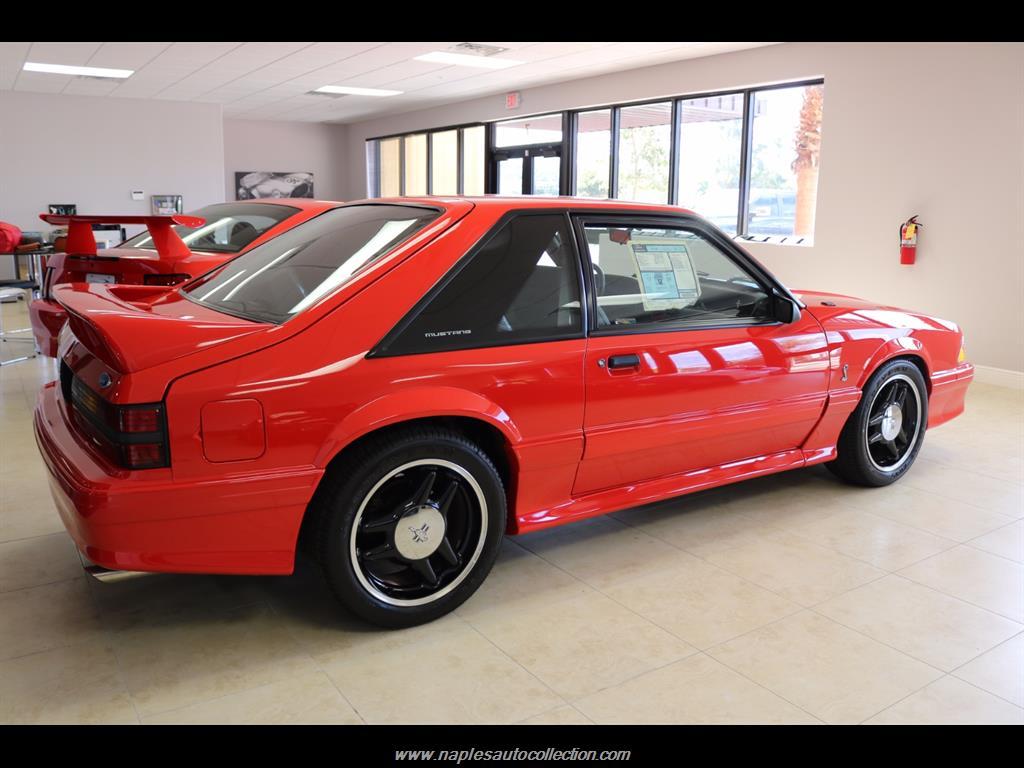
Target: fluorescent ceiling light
point(353, 91)
point(466, 60)
point(64, 69)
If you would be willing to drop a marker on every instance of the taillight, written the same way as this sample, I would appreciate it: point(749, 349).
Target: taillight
point(130, 436)
point(165, 279)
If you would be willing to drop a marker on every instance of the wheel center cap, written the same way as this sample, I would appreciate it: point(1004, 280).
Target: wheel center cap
point(892, 422)
point(419, 534)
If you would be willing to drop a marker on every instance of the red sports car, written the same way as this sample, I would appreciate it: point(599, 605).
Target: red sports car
point(398, 383)
point(210, 235)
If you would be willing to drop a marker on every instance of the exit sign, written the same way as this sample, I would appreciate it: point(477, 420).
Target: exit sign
point(512, 100)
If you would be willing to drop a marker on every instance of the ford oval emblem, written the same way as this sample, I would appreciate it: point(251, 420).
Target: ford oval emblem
point(105, 380)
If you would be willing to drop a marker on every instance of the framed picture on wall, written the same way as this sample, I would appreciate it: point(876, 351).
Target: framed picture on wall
point(253, 185)
point(166, 205)
point(63, 209)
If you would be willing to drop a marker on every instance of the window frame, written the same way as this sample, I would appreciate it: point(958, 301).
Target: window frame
point(687, 222)
point(382, 347)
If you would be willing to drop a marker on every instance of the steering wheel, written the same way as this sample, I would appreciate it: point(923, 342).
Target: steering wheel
point(599, 279)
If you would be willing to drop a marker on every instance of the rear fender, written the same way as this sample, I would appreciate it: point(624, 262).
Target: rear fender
point(418, 403)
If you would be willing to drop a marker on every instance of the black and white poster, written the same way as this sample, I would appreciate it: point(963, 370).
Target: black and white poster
point(255, 185)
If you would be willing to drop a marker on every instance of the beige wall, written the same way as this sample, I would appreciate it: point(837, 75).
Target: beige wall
point(251, 145)
point(95, 151)
point(931, 129)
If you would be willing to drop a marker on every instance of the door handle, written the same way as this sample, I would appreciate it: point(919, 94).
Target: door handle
point(624, 361)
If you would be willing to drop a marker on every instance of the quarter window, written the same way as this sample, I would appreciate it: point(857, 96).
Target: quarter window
point(521, 286)
point(661, 278)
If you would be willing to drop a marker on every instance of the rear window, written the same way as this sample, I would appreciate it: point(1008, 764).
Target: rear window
point(282, 277)
point(229, 227)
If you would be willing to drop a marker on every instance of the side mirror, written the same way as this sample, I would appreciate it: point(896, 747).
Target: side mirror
point(784, 309)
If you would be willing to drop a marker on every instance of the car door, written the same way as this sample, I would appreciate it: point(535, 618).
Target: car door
point(686, 367)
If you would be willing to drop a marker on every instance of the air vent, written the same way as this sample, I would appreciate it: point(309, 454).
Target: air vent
point(328, 95)
point(477, 49)
point(102, 79)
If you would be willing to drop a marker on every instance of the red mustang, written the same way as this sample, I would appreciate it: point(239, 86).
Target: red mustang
point(204, 239)
point(401, 382)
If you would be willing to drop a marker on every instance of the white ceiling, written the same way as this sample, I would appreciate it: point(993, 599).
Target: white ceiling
point(270, 81)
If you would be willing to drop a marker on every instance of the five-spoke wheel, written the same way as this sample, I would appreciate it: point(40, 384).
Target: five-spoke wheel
point(883, 435)
point(409, 525)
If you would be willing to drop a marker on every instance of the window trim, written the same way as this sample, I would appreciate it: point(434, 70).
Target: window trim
point(382, 347)
point(583, 219)
point(374, 192)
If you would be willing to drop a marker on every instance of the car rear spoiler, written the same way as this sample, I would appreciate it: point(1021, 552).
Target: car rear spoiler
point(166, 241)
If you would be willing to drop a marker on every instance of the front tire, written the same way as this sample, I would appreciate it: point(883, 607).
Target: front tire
point(884, 434)
point(410, 526)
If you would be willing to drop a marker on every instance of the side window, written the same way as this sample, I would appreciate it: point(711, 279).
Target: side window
point(654, 278)
point(521, 286)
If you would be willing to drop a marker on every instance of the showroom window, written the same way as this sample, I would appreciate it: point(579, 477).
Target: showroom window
point(521, 286)
point(448, 161)
point(747, 160)
point(593, 153)
point(644, 152)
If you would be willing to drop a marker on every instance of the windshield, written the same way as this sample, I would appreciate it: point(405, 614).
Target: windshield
point(285, 275)
point(229, 227)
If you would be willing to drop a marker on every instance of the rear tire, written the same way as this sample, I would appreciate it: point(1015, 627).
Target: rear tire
point(409, 526)
point(883, 435)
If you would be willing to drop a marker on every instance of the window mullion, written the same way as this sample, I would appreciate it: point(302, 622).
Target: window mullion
point(745, 163)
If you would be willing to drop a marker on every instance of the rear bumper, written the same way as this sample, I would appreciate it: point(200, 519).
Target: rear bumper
point(949, 388)
point(47, 317)
point(147, 521)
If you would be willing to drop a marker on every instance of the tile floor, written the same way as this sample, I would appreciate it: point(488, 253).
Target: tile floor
point(789, 599)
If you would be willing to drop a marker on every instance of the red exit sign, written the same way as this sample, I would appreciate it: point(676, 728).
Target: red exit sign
point(513, 100)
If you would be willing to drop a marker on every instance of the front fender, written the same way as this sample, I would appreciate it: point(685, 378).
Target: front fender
point(900, 346)
point(415, 403)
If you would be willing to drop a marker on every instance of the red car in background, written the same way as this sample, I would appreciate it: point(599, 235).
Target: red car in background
point(227, 229)
point(398, 383)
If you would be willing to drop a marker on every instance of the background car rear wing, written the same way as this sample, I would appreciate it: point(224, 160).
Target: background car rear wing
point(166, 241)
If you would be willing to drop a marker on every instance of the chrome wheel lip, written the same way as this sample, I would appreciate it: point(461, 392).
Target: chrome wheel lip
point(368, 585)
point(917, 426)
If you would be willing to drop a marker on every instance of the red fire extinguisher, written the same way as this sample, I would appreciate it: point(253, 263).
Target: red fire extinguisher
point(908, 240)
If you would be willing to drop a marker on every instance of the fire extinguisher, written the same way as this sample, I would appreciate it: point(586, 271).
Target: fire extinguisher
point(908, 240)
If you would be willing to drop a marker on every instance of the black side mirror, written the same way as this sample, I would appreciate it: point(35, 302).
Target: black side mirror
point(784, 309)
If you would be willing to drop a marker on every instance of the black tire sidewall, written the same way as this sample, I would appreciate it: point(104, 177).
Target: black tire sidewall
point(340, 512)
point(870, 474)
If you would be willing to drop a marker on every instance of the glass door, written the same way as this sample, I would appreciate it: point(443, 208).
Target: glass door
point(528, 170)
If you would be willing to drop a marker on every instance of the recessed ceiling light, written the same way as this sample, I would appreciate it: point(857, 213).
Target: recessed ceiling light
point(64, 69)
point(464, 60)
point(353, 91)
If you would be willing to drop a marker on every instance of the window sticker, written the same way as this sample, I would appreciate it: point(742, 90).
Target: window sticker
point(665, 271)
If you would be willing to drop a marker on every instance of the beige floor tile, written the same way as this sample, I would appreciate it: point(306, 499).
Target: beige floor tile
point(28, 511)
point(700, 602)
point(990, 493)
point(942, 516)
point(36, 561)
point(190, 657)
point(567, 714)
point(1000, 671)
point(795, 568)
point(73, 685)
point(950, 702)
point(602, 551)
point(883, 543)
point(702, 531)
point(928, 625)
point(451, 674)
point(1006, 542)
point(834, 673)
point(518, 579)
point(309, 699)
point(50, 616)
point(581, 644)
point(695, 690)
point(986, 580)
